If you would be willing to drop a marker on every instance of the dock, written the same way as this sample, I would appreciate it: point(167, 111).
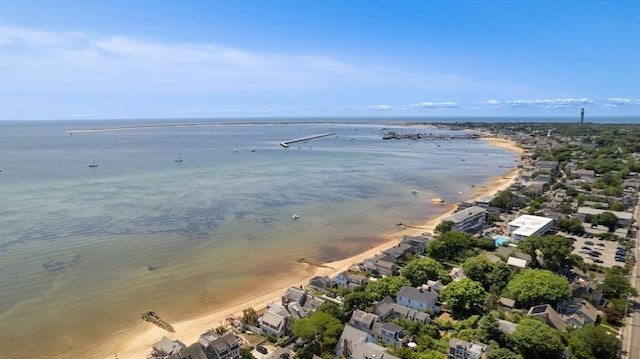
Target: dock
point(285, 144)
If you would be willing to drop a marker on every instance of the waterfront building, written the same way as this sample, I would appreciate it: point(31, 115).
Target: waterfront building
point(528, 225)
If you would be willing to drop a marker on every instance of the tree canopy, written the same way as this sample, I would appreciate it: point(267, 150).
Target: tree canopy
point(479, 269)
point(462, 295)
point(450, 245)
point(593, 342)
point(535, 340)
point(556, 251)
point(419, 271)
point(385, 286)
point(538, 286)
point(616, 285)
point(320, 327)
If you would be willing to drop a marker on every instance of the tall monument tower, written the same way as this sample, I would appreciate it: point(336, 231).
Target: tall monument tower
point(581, 116)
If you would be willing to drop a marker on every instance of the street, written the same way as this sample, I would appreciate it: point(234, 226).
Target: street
point(631, 339)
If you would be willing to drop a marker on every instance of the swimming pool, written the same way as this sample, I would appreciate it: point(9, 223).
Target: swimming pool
point(501, 241)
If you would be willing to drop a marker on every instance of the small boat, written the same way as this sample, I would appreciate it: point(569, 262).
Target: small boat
point(415, 191)
point(295, 216)
point(94, 163)
point(179, 158)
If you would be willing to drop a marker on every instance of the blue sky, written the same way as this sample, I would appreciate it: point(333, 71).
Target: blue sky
point(200, 59)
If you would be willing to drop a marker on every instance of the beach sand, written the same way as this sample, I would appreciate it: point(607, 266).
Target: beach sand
point(137, 342)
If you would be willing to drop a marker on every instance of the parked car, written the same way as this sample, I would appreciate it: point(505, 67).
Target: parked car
point(586, 248)
point(585, 251)
point(595, 254)
point(261, 349)
point(597, 260)
point(620, 259)
point(589, 243)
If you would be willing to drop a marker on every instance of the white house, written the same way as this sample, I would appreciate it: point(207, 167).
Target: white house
point(418, 299)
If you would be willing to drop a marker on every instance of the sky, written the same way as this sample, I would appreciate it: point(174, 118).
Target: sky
point(134, 59)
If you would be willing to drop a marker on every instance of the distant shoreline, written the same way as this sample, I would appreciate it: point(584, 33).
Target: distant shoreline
point(139, 341)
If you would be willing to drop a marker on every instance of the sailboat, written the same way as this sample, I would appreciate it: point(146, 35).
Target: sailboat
point(179, 158)
point(94, 163)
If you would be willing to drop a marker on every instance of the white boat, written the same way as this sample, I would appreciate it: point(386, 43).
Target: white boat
point(179, 158)
point(295, 216)
point(94, 163)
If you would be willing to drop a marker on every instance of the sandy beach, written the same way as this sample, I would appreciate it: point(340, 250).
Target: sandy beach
point(137, 342)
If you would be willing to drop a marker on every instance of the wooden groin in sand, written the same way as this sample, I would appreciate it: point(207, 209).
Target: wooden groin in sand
point(285, 144)
point(154, 318)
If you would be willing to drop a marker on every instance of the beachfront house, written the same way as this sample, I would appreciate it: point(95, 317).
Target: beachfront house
point(193, 351)
point(166, 347)
point(274, 321)
point(471, 220)
point(347, 279)
point(220, 347)
point(418, 299)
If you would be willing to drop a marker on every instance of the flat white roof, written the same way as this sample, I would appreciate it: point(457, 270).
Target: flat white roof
point(594, 211)
point(464, 214)
point(517, 262)
point(528, 224)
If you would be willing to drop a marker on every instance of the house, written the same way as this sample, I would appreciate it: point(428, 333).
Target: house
point(528, 225)
point(546, 166)
point(585, 311)
point(358, 344)
point(456, 273)
point(507, 303)
point(433, 285)
point(506, 326)
point(220, 347)
point(387, 308)
point(363, 320)
point(389, 333)
point(319, 282)
point(517, 262)
point(548, 314)
point(381, 264)
point(399, 252)
point(274, 321)
point(347, 279)
point(193, 351)
point(418, 243)
point(418, 299)
point(462, 349)
point(471, 220)
point(166, 347)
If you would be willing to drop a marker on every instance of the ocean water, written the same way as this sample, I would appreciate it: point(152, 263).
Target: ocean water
point(76, 242)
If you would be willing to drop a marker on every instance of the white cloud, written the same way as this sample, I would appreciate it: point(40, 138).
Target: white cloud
point(492, 103)
point(550, 103)
point(619, 102)
point(380, 107)
point(433, 105)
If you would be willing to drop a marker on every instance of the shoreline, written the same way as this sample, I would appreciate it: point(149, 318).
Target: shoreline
point(139, 342)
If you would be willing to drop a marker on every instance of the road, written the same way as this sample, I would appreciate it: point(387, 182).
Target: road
point(631, 339)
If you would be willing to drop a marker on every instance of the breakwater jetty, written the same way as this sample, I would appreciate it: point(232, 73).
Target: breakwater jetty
point(427, 136)
point(285, 144)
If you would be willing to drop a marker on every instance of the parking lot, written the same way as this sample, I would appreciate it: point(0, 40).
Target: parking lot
point(607, 251)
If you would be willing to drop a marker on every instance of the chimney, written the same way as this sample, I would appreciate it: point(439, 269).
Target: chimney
point(345, 348)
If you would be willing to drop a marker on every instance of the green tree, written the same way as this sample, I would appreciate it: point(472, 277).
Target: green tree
point(357, 299)
point(502, 353)
point(535, 340)
point(593, 342)
point(538, 286)
point(387, 286)
point(419, 271)
point(479, 269)
point(321, 328)
point(556, 251)
point(607, 219)
point(249, 316)
point(616, 285)
point(462, 295)
point(444, 227)
point(450, 245)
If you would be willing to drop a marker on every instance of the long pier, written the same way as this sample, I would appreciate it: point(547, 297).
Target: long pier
point(285, 144)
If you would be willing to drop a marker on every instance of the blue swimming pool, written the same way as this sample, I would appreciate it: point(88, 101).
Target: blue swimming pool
point(501, 241)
